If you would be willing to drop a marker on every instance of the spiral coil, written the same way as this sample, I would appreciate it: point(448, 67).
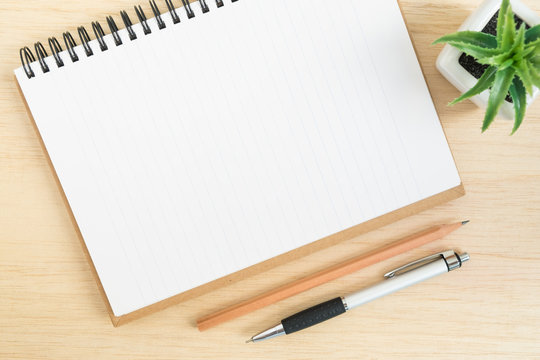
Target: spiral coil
point(114, 30)
point(99, 33)
point(189, 11)
point(85, 39)
point(27, 57)
point(142, 20)
point(157, 15)
point(128, 24)
point(56, 49)
point(70, 44)
point(41, 55)
point(172, 11)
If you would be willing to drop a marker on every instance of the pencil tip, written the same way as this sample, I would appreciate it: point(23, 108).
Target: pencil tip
point(465, 222)
point(248, 341)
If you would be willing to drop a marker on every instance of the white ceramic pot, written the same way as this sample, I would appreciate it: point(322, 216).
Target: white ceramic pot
point(448, 61)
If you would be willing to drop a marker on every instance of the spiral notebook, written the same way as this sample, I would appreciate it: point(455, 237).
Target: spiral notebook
point(208, 142)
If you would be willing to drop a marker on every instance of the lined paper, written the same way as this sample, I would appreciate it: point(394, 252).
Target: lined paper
point(235, 136)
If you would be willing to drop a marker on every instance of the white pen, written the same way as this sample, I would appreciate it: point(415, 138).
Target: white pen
point(400, 278)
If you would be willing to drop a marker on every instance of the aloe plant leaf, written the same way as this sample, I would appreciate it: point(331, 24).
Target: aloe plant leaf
point(506, 64)
point(484, 83)
point(534, 71)
point(534, 58)
point(536, 51)
point(474, 38)
point(476, 44)
point(519, 43)
point(506, 27)
point(497, 59)
point(529, 50)
point(519, 97)
point(532, 44)
point(523, 71)
point(517, 48)
point(499, 90)
point(532, 34)
point(501, 19)
point(476, 51)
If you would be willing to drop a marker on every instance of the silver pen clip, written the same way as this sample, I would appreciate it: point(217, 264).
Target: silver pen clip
point(453, 261)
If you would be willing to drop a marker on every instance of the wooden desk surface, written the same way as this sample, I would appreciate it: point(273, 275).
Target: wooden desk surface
point(50, 306)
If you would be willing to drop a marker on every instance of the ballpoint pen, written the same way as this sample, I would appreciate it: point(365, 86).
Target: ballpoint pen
point(400, 278)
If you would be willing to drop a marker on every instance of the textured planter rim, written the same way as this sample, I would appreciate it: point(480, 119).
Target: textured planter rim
point(448, 60)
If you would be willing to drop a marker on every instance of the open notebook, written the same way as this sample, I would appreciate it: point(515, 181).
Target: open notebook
point(228, 138)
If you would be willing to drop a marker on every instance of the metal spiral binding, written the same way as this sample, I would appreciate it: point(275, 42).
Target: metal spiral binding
point(157, 14)
point(56, 49)
point(85, 39)
point(27, 57)
point(128, 24)
point(188, 8)
point(142, 20)
point(204, 6)
point(114, 30)
point(98, 31)
point(70, 44)
point(172, 11)
point(41, 55)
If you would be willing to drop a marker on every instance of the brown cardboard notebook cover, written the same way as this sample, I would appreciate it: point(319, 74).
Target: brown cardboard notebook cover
point(255, 269)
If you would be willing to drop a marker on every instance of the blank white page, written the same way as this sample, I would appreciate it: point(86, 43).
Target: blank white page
point(235, 136)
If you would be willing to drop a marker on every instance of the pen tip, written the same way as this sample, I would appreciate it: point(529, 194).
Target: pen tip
point(465, 222)
point(248, 341)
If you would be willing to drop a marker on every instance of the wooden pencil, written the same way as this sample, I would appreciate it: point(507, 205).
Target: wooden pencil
point(331, 273)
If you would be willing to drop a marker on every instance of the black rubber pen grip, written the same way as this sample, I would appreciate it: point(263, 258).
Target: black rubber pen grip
point(314, 315)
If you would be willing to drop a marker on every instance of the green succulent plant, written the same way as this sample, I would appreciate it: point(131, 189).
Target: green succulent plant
point(513, 57)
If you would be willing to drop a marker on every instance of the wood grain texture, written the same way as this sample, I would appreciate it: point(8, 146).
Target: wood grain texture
point(50, 307)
